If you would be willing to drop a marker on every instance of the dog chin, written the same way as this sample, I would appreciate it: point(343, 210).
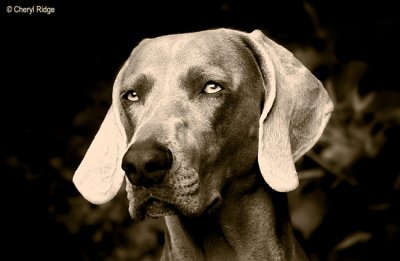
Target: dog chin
point(153, 208)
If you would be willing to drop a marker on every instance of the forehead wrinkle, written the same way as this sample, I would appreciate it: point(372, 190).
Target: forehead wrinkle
point(207, 72)
point(138, 80)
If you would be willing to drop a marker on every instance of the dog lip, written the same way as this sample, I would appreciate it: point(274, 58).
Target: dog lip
point(147, 204)
point(214, 205)
point(161, 200)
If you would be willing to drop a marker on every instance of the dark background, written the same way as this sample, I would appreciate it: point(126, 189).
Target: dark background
point(57, 74)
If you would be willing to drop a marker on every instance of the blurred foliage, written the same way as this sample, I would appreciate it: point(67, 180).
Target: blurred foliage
point(347, 205)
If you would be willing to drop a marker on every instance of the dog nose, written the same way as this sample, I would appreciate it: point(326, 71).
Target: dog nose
point(146, 163)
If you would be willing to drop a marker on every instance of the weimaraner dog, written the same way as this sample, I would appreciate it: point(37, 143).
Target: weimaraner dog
point(206, 127)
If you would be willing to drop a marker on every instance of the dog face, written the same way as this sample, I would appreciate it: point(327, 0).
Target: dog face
point(191, 107)
point(193, 112)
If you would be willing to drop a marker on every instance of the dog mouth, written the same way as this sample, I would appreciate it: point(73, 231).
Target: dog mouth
point(153, 208)
point(146, 202)
point(177, 195)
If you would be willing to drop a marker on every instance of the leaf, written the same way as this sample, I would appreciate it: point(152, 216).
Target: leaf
point(353, 239)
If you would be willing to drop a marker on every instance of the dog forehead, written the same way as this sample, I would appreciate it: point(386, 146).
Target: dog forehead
point(207, 48)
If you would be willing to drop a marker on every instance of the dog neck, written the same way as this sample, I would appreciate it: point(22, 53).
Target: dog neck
point(252, 223)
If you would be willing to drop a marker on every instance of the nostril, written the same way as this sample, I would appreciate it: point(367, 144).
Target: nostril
point(162, 161)
point(169, 159)
point(153, 166)
point(127, 166)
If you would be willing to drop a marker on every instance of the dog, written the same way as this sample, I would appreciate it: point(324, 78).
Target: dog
point(205, 127)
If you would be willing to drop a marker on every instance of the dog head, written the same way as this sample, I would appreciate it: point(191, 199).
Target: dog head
point(192, 111)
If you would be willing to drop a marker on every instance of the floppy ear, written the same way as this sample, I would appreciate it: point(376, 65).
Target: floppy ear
point(296, 111)
point(99, 176)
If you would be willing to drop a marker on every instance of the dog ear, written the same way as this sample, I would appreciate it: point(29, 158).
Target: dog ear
point(296, 111)
point(99, 176)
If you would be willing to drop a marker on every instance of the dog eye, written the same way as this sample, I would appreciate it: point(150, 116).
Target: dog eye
point(212, 87)
point(131, 96)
